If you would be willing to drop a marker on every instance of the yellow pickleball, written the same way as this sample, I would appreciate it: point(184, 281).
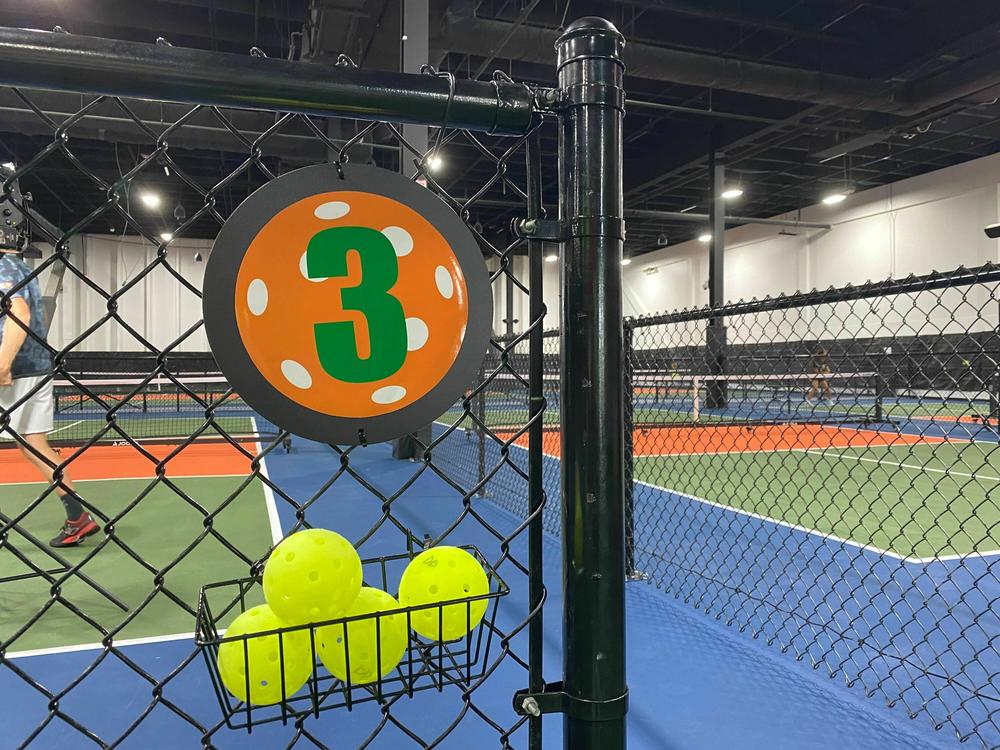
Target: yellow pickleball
point(441, 574)
point(265, 660)
point(311, 576)
point(366, 643)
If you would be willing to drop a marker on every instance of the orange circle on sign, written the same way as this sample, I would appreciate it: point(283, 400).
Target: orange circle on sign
point(278, 307)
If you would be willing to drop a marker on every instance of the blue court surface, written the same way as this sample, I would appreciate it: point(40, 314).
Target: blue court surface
point(695, 684)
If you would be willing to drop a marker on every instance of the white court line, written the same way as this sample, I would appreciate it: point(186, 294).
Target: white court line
point(864, 459)
point(276, 536)
point(269, 503)
point(65, 427)
point(826, 452)
point(95, 646)
point(778, 522)
point(822, 535)
point(688, 454)
point(125, 479)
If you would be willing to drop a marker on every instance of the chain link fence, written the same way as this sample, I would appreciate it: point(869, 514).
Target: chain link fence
point(142, 406)
point(824, 476)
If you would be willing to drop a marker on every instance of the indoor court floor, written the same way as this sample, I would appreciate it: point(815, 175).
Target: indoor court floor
point(701, 666)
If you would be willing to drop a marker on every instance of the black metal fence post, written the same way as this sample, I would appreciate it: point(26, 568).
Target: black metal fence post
point(715, 334)
point(593, 483)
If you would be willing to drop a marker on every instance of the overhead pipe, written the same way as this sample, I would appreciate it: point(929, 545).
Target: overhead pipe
point(639, 213)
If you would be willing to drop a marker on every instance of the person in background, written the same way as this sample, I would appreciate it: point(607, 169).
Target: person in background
point(820, 376)
point(25, 378)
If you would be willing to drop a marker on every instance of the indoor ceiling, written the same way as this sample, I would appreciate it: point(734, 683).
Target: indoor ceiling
point(804, 97)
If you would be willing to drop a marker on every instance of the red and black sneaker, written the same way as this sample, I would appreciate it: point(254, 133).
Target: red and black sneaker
point(74, 532)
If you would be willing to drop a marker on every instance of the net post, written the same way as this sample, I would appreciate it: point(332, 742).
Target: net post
point(590, 71)
point(696, 399)
point(629, 393)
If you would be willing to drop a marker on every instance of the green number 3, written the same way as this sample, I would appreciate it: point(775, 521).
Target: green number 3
point(336, 342)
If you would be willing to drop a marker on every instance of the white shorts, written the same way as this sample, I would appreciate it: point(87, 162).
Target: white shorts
point(35, 414)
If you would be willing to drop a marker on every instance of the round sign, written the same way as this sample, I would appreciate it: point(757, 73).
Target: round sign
point(348, 308)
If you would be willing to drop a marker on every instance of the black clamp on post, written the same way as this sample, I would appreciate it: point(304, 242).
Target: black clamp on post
point(553, 230)
point(547, 230)
point(554, 700)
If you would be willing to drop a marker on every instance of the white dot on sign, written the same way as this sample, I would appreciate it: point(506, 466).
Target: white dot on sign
point(416, 334)
point(257, 296)
point(388, 394)
point(401, 240)
point(444, 282)
point(296, 374)
point(331, 210)
point(304, 268)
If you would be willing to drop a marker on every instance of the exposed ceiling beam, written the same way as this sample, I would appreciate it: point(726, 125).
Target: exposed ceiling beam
point(972, 80)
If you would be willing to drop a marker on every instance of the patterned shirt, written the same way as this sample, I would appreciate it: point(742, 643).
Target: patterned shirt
point(33, 358)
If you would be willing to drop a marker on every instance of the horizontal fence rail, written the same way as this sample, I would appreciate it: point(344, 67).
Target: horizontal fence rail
point(91, 65)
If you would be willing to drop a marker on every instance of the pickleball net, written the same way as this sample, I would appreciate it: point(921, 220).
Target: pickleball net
point(666, 398)
point(795, 398)
point(91, 407)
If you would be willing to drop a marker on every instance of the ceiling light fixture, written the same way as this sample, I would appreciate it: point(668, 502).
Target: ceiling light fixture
point(704, 237)
point(552, 257)
point(166, 236)
point(834, 198)
point(150, 200)
point(626, 260)
point(731, 193)
point(434, 163)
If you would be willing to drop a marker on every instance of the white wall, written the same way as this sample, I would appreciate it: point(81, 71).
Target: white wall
point(931, 222)
point(156, 305)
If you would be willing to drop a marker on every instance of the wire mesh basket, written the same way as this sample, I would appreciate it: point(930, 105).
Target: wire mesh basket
point(425, 664)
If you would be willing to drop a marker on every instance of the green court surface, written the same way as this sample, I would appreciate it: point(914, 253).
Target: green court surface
point(158, 529)
point(917, 501)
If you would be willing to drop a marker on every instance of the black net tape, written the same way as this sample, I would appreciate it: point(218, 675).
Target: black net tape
point(155, 409)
